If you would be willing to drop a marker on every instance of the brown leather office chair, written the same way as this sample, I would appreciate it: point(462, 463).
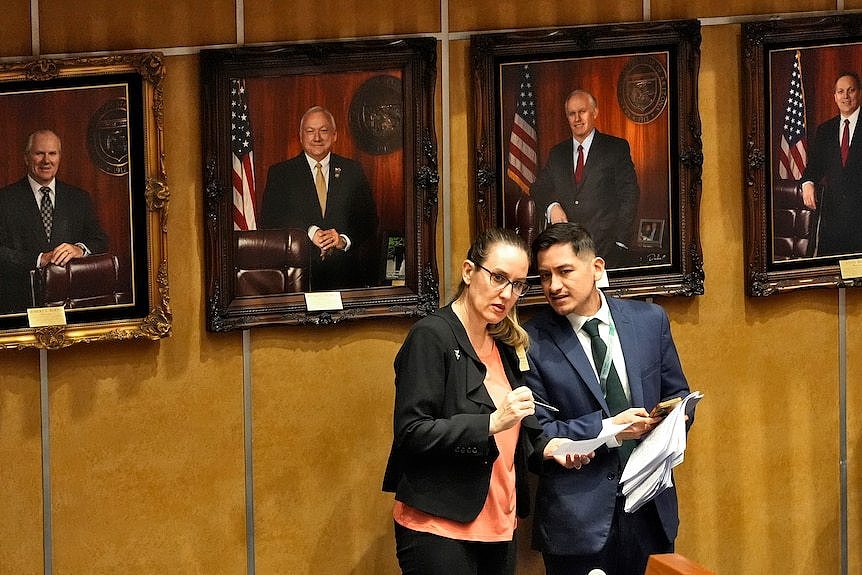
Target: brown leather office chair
point(793, 225)
point(520, 214)
point(525, 219)
point(83, 282)
point(271, 262)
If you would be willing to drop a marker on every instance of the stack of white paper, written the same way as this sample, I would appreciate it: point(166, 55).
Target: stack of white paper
point(648, 471)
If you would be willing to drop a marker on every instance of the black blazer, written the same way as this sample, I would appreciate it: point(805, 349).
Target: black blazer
point(606, 202)
point(442, 455)
point(22, 235)
point(290, 201)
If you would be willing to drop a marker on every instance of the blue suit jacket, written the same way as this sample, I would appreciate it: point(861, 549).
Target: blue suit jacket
point(574, 508)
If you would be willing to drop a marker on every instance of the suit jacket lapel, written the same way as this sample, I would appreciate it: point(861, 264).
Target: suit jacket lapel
point(568, 342)
point(596, 158)
point(476, 390)
point(35, 228)
point(855, 152)
point(60, 221)
point(628, 342)
point(333, 194)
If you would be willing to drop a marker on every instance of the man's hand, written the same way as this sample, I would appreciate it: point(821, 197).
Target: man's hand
point(557, 214)
point(328, 240)
point(641, 423)
point(808, 196)
point(570, 460)
point(61, 255)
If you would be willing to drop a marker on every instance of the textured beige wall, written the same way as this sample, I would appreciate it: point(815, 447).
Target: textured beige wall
point(147, 439)
point(481, 15)
point(670, 9)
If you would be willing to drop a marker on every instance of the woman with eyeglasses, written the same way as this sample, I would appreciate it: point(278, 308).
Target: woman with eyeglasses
point(464, 429)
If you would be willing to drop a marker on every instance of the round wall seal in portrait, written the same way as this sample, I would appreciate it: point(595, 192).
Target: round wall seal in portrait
point(642, 89)
point(108, 137)
point(376, 119)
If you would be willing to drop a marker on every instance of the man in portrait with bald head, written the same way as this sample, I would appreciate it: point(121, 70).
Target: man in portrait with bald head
point(590, 179)
point(43, 221)
point(329, 197)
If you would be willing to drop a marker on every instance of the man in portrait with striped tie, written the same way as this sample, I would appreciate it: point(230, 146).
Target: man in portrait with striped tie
point(835, 168)
point(42, 221)
point(590, 178)
point(329, 197)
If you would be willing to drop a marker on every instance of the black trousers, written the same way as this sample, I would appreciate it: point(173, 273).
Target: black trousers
point(428, 554)
point(633, 538)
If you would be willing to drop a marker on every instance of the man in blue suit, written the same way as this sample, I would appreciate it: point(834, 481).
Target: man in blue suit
point(580, 523)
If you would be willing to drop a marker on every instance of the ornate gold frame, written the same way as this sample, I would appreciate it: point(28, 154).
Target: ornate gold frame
point(151, 318)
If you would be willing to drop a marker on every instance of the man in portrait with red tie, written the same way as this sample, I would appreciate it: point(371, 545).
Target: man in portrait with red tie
point(832, 181)
point(590, 179)
point(43, 221)
point(329, 197)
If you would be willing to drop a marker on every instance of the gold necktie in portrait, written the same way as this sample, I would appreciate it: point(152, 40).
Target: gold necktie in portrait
point(320, 184)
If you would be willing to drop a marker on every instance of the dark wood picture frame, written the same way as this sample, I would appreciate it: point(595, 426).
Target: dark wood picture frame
point(653, 95)
point(782, 234)
point(108, 113)
point(389, 79)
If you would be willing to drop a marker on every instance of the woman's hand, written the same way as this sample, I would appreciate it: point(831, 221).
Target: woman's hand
point(517, 405)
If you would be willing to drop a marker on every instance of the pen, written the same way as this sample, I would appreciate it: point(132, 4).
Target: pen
point(543, 403)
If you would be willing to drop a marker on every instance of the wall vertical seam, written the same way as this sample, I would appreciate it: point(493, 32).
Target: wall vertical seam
point(45, 430)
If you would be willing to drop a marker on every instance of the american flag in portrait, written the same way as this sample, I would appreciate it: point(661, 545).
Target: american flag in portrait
point(523, 142)
point(793, 147)
point(242, 155)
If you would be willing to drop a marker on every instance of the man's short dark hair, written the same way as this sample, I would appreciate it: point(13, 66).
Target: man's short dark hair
point(570, 233)
point(849, 74)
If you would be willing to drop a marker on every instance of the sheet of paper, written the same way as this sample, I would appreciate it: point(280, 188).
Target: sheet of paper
point(582, 446)
point(323, 300)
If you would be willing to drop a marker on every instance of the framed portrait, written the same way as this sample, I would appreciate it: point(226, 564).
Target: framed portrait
point(651, 233)
point(803, 165)
point(83, 201)
point(634, 88)
point(320, 176)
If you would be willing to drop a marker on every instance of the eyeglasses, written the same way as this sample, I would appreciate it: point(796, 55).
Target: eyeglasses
point(499, 282)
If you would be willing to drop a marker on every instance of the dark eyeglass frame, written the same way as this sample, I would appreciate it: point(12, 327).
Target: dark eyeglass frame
point(499, 282)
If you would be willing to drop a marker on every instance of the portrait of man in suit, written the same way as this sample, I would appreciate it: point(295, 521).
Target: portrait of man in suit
point(835, 165)
point(43, 221)
point(329, 197)
point(590, 178)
